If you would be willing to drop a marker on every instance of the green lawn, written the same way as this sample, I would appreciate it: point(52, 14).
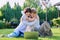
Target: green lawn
point(56, 35)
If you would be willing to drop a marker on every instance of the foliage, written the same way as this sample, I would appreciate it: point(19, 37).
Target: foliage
point(9, 12)
point(17, 11)
point(31, 3)
point(14, 20)
point(8, 25)
point(56, 21)
point(52, 13)
point(1, 15)
point(6, 12)
point(2, 24)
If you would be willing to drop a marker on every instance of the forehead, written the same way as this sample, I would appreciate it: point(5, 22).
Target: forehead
point(28, 12)
point(33, 13)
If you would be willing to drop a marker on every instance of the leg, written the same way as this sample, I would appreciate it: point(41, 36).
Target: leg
point(14, 34)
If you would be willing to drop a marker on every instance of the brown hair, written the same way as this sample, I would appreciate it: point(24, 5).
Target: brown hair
point(28, 9)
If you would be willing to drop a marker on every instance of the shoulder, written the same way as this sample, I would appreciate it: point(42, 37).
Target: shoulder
point(23, 16)
point(22, 12)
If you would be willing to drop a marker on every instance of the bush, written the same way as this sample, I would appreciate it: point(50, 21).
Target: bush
point(51, 12)
point(56, 21)
point(2, 24)
point(8, 25)
point(1, 15)
point(31, 35)
point(14, 22)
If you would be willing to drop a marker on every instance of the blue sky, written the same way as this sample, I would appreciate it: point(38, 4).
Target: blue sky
point(21, 2)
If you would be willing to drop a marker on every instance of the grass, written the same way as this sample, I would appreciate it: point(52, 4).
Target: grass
point(56, 35)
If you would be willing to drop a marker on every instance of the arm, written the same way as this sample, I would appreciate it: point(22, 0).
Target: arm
point(23, 18)
point(20, 19)
point(38, 19)
point(33, 22)
point(31, 19)
point(27, 22)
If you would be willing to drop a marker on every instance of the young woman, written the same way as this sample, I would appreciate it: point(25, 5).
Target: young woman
point(19, 31)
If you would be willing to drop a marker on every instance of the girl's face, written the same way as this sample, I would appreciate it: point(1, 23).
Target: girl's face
point(33, 14)
point(28, 14)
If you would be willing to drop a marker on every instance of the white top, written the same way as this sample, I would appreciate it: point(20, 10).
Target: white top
point(23, 24)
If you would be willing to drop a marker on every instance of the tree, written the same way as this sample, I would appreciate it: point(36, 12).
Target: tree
point(52, 13)
point(17, 11)
point(7, 12)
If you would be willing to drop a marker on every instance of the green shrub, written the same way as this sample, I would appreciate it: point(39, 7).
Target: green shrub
point(31, 35)
point(56, 21)
point(14, 20)
point(8, 25)
point(2, 24)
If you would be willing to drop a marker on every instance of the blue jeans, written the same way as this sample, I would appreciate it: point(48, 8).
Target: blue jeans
point(15, 34)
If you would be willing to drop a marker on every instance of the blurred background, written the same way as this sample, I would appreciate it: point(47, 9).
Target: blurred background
point(10, 11)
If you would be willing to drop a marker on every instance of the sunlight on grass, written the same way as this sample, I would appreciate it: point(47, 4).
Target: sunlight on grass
point(56, 35)
point(5, 31)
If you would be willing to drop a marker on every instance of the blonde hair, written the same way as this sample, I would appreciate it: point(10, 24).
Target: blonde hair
point(33, 10)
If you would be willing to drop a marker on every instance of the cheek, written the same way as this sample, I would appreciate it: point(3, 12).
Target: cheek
point(34, 14)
